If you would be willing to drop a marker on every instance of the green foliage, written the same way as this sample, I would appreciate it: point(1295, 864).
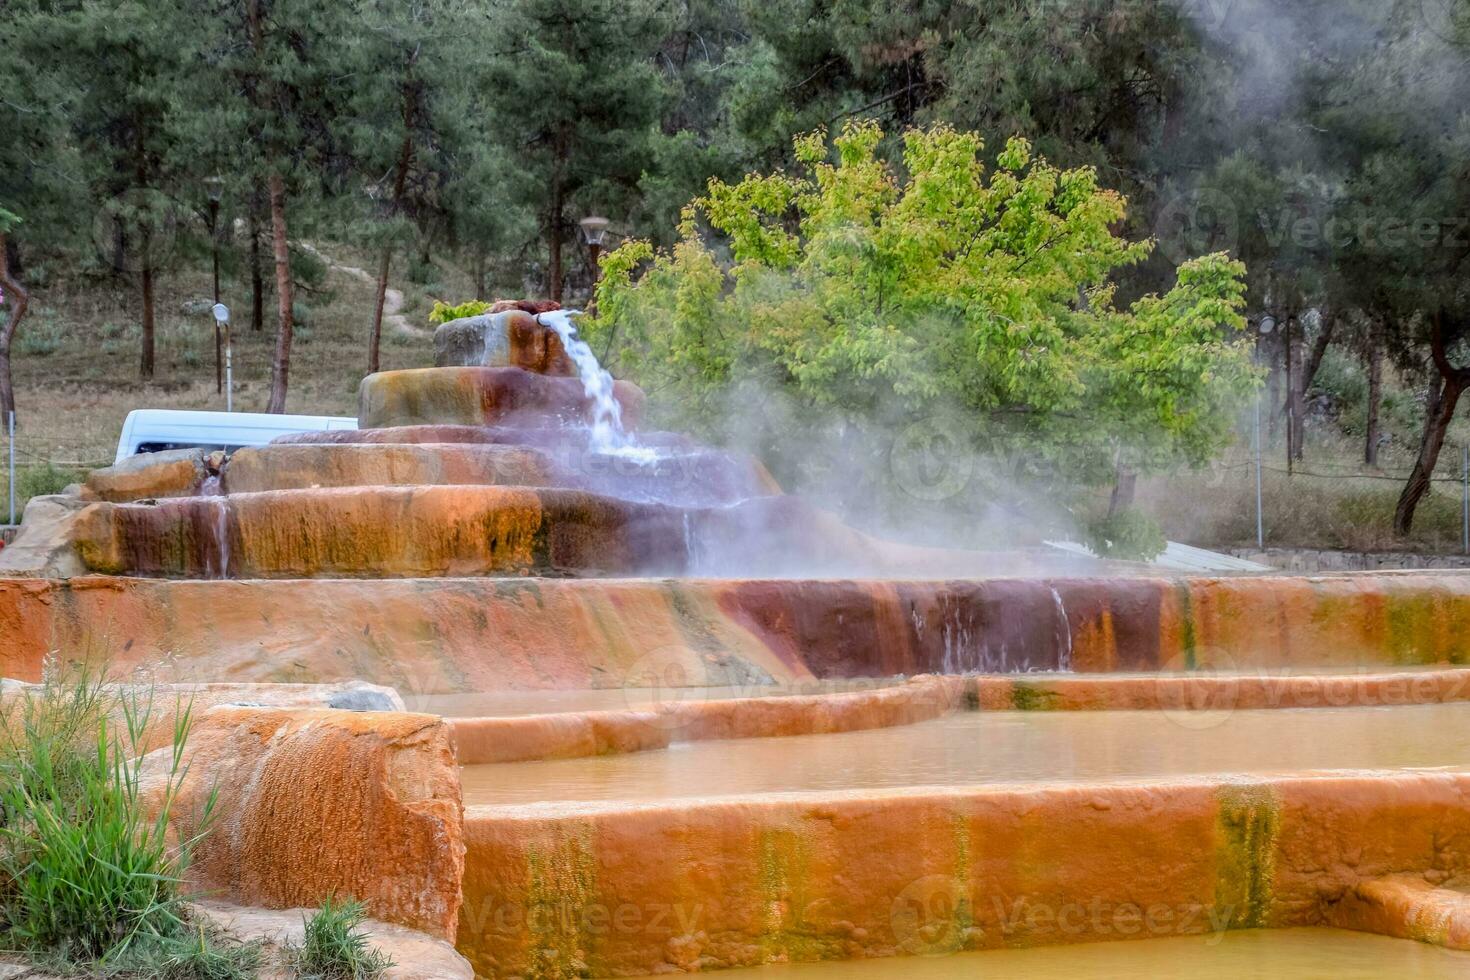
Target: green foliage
point(444, 313)
point(1130, 535)
point(88, 877)
point(334, 947)
point(42, 337)
point(44, 478)
point(943, 287)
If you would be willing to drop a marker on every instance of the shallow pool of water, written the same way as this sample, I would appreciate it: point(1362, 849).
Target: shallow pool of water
point(1010, 746)
point(1263, 954)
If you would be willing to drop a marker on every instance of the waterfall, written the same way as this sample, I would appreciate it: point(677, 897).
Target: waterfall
point(1064, 654)
point(608, 435)
point(221, 534)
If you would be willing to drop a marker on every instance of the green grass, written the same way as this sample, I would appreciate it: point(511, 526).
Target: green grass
point(334, 947)
point(89, 881)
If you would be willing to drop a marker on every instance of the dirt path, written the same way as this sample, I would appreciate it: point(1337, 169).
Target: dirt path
point(392, 298)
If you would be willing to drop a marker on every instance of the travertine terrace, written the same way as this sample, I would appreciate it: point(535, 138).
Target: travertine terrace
point(559, 614)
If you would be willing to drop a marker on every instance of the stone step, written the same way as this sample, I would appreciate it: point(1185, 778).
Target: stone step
point(696, 478)
point(482, 396)
point(475, 530)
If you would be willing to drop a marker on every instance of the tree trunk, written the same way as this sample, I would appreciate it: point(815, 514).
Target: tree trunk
point(257, 273)
point(1294, 391)
point(1375, 396)
point(145, 364)
point(553, 230)
point(479, 273)
point(553, 275)
point(1319, 351)
point(18, 299)
point(1124, 486)
point(405, 154)
point(1438, 415)
point(281, 364)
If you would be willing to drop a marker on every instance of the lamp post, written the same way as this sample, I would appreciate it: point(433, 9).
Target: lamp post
point(594, 227)
point(222, 329)
point(214, 188)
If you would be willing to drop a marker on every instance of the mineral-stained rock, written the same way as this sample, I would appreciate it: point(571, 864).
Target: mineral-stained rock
point(512, 338)
point(694, 478)
point(171, 473)
point(483, 396)
point(544, 437)
point(478, 634)
point(433, 531)
point(314, 803)
point(44, 548)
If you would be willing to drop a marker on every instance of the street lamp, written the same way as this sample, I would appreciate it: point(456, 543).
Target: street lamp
point(594, 227)
point(222, 328)
point(214, 189)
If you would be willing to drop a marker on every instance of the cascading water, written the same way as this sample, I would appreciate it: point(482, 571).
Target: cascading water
point(607, 435)
point(1064, 654)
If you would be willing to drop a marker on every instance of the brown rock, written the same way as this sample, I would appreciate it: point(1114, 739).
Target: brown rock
point(172, 473)
point(482, 396)
point(313, 803)
point(44, 547)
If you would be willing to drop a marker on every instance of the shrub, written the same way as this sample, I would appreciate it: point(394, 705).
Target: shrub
point(41, 337)
point(1130, 535)
point(422, 271)
point(443, 312)
point(44, 478)
point(334, 947)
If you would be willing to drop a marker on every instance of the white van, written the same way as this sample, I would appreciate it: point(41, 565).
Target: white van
point(151, 430)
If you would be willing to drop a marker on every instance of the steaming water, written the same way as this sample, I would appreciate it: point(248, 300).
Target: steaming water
point(608, 435)
point(992, 747)
point(1258, 954)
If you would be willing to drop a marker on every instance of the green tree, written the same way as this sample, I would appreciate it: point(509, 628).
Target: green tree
point(986, 295)
point(110, 70)
point(576, 95)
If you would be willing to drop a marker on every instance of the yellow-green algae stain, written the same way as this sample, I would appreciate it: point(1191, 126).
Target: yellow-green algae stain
point(784, 864)
point(1418, 619)
point(562, 890)
point(1247, 824)
point(1187, 640)
point(1028, 696)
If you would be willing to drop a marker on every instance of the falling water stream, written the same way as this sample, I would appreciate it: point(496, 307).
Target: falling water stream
point(608, 434)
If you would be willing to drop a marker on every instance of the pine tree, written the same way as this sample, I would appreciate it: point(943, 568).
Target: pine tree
point(576, 96)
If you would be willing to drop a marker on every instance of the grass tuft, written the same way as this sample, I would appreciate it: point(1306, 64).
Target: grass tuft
point(88, 880)
point(334, 947)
